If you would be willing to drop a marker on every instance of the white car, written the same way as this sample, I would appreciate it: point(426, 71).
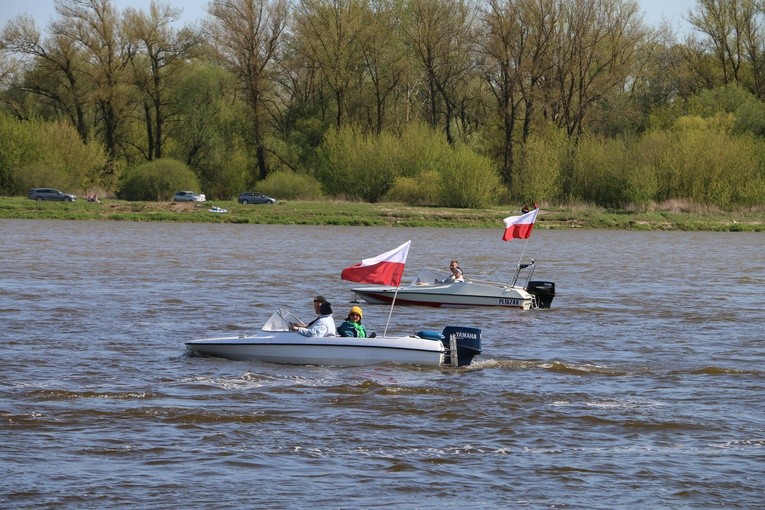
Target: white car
point(189, 196)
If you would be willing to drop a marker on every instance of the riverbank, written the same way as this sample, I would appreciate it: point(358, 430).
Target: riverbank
point(381, 214)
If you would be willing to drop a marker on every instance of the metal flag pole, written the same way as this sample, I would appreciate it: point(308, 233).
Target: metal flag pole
point(523, 252)
point(390, 313)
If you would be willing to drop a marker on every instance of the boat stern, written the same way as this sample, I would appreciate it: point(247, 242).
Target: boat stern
point(543, 293)
point(462, 344)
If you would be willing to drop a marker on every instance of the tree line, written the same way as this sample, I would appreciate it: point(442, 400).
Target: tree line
point(437, 102)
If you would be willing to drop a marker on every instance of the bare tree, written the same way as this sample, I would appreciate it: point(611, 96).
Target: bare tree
point(383, 52)
point(733, 33)
point(597, 51)
point(158, 51)
point(54, 69)
point(95, 25)
point(516, 60)
point(246, 35)
point(442, 37)
point(716, 19)
point(330, 33)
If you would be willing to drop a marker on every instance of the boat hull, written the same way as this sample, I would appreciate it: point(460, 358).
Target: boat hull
point(295, 349)
point(454, 295)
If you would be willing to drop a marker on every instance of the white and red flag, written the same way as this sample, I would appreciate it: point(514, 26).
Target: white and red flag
point(519, 227)
point(385, 269)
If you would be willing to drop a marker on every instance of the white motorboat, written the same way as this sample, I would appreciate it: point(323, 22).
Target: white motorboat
point(432, 287)
point(275, 343)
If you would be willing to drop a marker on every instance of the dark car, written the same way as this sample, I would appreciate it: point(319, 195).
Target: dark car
point(252, 197)
point(40, 194)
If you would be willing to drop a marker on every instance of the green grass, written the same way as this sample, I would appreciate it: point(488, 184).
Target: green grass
point(381, 215)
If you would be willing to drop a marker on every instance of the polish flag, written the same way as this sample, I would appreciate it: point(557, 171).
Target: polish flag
point(385, 269)
point(519, 227)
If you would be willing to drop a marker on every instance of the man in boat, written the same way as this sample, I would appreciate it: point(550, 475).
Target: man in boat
point(456, 275)
point(324, 325)
point(317, 301)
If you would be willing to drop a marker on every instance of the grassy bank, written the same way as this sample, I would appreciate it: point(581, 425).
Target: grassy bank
point(362, 214)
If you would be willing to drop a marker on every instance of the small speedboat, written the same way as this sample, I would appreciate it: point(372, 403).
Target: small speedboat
point(432, 287)
point(216, 209)
point(275, 343)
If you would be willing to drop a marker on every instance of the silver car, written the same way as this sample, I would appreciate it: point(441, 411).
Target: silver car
point(189, 196)
point(252, 197)
point(41, 194)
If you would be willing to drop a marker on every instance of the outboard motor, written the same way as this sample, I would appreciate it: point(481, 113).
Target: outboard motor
point(543, 292)
point(461, 344)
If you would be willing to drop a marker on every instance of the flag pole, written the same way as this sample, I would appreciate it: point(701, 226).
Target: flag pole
point(523, 252)
point(390, 313)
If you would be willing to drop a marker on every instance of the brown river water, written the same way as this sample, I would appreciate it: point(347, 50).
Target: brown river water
point(642, 387)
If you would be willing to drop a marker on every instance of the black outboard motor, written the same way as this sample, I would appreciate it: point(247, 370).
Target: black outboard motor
point(461, 344)
point(544, 292)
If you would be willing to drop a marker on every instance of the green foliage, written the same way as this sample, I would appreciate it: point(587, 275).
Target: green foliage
point(750, 118)
point(38, 154)
point(210, 135)
point(538, 176)
point(18, 148)
point(468, 180)
point(421, 150)
point(72, 163)
point(598, 172)
point(286, 185)
point(359, 166)
point(355, 165)
point(700, 161)
point(421, 190)
point(157, 180)
point(725, 99)
point(224, 173)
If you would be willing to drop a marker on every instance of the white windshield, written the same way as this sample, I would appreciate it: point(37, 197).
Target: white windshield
point(431, 276)
point(280, 320)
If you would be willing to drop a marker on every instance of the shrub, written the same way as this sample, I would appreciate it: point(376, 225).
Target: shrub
point(286, 185)
point(355, 165)
point(157, 180)
point(538, 176)
point(38, 153)
point(468, 180)
point(421, 190)
point(420, 149)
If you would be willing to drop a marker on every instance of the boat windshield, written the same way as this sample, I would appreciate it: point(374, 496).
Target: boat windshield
point(280, 320)
point(430, 276)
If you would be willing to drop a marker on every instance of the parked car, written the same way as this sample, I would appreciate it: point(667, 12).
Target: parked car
point(189, 196)
point(252, 197)
point(40, 194)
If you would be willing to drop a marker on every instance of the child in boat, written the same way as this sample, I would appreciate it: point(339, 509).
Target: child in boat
point(353, 326)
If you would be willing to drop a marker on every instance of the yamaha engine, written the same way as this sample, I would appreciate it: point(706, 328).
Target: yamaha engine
point(461, 344)
point(543, 292)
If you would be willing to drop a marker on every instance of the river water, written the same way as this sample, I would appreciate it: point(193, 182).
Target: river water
point(641, 388)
